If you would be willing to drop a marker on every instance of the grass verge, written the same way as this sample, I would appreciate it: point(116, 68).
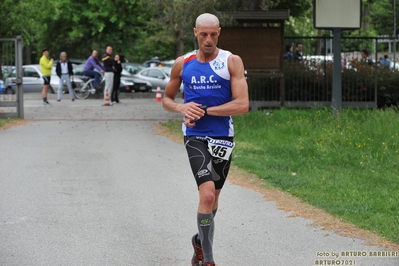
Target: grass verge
point(7, 123)
point(346, 165)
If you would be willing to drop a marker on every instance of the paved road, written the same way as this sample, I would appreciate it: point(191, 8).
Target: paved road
point(84, 184)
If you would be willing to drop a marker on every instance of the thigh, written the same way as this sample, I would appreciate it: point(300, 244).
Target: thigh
point(200, 159)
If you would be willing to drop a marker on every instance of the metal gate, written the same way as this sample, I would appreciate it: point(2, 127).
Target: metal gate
point(11, 105)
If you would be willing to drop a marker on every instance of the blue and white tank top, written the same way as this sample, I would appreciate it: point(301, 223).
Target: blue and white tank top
point(208, 84)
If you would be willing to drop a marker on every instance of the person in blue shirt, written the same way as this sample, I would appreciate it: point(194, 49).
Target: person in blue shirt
point(386, 62)
point(215, 89)
point(91, 64)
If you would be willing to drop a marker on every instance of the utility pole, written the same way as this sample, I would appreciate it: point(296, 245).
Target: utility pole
point(394, 34)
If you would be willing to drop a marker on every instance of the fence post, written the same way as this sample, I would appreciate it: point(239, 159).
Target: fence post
point(19, 75)
point(376, 73)
point(337, 75)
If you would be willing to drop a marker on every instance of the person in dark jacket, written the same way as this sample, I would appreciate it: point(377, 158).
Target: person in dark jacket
point(64, 72)
point(288, 55)
point(108, 65)
point(298, 55)
point(117, 79)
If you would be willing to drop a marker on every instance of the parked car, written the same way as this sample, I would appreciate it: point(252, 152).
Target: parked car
point(5, 70)
point(129, 83)
point(133, 68)
point(168, 63)
point(2, 88)
point(157, 76)
point(32, 80)
point(152, 62)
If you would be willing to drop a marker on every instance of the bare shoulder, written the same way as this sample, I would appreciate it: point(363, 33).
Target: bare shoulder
point(235, 65)
point(177, 66)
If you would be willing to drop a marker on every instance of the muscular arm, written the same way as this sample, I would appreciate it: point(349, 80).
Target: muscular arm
point(191, 111)
point(239, 90)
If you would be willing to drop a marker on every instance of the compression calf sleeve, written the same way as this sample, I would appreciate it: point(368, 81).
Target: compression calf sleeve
point(205, 225)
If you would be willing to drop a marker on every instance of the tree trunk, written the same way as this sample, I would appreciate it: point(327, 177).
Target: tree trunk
point(27, 60)
point(366, 17)
point(180, 43)
point(319, 42)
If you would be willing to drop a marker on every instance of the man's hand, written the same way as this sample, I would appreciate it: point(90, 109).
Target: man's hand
point(189, 123)
point(191, 111)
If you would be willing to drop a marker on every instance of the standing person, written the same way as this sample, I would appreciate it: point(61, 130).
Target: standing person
point(91, 64)
point(64, 71)
point(386, 62)
point(298, 55)
point(109, 70)
point(45, 67)
point(288, 55)
point(365, 58)
point(117, 79)
point(215, 88)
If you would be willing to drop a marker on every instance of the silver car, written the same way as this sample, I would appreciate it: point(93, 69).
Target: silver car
point(157, 76)
point(32, 80)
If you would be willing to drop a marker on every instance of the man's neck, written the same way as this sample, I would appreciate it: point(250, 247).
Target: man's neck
point(205, 58)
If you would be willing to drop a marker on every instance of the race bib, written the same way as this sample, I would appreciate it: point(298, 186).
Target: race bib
point(220, 148)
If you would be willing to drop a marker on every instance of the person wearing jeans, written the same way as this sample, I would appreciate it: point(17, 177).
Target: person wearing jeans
point(91, 64)
point(65, 73)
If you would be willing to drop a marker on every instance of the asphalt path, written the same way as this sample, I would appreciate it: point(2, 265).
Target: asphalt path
point(85, 184)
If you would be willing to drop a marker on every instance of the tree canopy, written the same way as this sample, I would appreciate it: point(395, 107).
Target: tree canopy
point(142, 29)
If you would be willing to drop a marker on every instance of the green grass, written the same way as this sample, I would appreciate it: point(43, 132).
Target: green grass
point(4, 121)
point(347, 165)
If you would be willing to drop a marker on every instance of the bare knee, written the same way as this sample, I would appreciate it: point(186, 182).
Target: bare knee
point(207, 195)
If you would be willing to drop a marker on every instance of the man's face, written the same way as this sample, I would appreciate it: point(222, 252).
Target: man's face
point(94, 54)
point(299, 47)
point(63, 57)
point(207, 36)
point(109, 50)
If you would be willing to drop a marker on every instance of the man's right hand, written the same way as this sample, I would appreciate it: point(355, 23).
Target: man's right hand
point(191, 111)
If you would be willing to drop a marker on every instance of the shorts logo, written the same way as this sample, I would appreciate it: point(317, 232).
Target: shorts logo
point(202, 173)
point(216, 161)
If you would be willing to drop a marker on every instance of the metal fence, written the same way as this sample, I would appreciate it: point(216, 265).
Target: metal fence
point(11, 105)
point(309, 83)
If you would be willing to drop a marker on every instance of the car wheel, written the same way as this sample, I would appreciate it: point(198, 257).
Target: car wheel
point(9, 91)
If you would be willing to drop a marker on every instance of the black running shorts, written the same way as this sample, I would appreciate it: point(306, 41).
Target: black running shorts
point(46, 80)
point(204, 166)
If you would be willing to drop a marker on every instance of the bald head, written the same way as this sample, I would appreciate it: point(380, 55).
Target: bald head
point(207, 19)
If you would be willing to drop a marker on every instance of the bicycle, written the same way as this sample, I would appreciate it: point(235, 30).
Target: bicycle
point(83, 90)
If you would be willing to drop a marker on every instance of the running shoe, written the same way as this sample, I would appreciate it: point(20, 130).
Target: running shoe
point(208, 264)
point(46, 104)
point(198, 256)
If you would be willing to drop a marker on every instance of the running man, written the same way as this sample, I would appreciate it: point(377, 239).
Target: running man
point(215, 88)
point(46, 65)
